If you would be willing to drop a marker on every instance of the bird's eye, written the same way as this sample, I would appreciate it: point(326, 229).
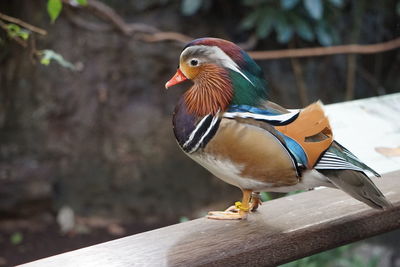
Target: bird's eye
point(194, 62)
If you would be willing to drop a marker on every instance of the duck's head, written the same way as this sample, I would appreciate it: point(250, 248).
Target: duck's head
point(222, 74)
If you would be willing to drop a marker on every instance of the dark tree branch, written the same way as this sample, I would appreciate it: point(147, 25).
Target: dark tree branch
point(18, 40)
point(326, 51)
point(149, 33)
point(23, 24)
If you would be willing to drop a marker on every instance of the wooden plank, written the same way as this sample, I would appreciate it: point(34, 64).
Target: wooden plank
point(283, 230)
point(365, 125)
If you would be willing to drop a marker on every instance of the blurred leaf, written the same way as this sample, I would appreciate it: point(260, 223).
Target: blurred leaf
point(24, 34)
point(323, 35)
point(78, 2)
point(335, 35)
point(250, 2)
point(373, 262)
point(289, 4)
point(283, 29)
point(398, 8)
point(189, 7)
point(302, 28)
point(16, 238)
point(183, 219)
point(314, 8)
point(250, 21)
point(337, 3)
point(45, 61)
point(342, 249)
point(265, 25)
point(14, 31)
point(304, 31)
point(265, 196)
point(49, 55)
point(332, 257)
point(358, 262)
point(82, 2)
point(53, 9)
point(294, 192)
point(341, 256)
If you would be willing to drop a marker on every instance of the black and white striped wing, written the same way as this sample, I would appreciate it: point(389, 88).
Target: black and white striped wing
point(275, 120)
point(331, 161)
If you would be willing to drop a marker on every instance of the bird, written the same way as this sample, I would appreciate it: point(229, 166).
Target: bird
point(225, 122)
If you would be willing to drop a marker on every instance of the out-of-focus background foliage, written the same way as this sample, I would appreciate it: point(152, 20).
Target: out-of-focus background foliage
point(86, 143)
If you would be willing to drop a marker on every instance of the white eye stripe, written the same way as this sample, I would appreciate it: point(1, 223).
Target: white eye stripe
point(216, 53)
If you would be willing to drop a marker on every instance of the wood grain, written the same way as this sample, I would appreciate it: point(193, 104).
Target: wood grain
point(283, 230)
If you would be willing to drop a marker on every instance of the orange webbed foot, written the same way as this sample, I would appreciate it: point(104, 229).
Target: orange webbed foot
point(237, 212)
point(226, 215)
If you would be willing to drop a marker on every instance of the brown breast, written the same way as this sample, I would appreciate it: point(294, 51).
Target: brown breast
point(259, 153)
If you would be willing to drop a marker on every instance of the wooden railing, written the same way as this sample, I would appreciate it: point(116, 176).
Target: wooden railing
point(284, 229)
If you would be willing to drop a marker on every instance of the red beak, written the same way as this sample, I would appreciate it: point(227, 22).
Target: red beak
point(178, 78)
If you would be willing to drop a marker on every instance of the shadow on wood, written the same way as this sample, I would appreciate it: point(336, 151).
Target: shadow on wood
point(281, 231)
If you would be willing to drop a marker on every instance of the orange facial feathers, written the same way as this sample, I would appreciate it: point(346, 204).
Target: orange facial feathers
point(211, 92)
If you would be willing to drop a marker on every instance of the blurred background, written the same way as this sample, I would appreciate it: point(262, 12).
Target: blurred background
point(87, 152)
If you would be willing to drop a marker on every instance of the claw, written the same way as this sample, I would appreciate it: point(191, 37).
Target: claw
point(226, 215)
point(232, 208)
point(237, 212)
point(255, 201)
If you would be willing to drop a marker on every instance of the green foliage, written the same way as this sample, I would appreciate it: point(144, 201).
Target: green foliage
point(53, 9)
point(283, 28)
point(289, 4)
point(15, 31)
point(311, 20)
point(190, 7)
point(19, 33)
point(325, 33)
point(308, 19)
point(82, 2)
point(265, 196)
point(265, 23)
point(16, 238)
point(337, 3)
point(335, 257)
point(294, 192)
point(48, 55)
point(314, 8)
point(183, 219)
point(398, 8)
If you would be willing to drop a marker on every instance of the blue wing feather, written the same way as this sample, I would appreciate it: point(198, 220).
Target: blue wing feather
point(251, 109)
point(296, 150)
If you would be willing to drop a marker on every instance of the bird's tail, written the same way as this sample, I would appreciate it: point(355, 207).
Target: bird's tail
point(359, 186)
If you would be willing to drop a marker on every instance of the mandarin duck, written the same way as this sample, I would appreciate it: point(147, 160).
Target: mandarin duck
point(225, 122)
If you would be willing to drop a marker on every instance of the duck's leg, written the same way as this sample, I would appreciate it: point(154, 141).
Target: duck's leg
point(255, 202)
point(239, 213)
